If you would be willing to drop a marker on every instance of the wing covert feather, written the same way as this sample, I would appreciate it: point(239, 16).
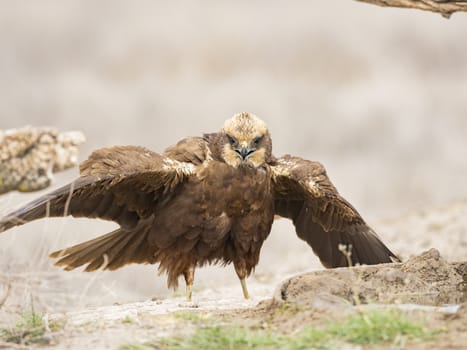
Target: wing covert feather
point(192, 150)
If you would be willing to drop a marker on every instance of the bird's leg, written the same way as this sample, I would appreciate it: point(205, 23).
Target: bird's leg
point(244, 288)
point(189, 275)
point(242, 272)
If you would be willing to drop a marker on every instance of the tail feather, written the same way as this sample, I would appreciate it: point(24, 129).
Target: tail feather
point(80, 254)
point(117, 253)
point(110, 252)
point(139, 250)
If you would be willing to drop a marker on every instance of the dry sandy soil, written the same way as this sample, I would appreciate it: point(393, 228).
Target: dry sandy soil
point(426, 287)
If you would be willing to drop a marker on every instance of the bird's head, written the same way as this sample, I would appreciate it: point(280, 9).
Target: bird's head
point(245, 141)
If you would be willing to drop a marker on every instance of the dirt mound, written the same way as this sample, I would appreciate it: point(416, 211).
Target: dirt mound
point(425, 279)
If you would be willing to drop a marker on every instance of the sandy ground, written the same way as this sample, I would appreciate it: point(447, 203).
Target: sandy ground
point(377, 95)
point(426, 286)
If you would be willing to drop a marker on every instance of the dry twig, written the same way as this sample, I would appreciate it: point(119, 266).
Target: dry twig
point(4, 297)
point(445, 7)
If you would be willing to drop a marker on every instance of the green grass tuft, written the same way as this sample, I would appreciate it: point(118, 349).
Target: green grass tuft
point(28, 330)
point(194, 317)
point(135, 346)
point(373, 327)
point(128, 320)
point(380, 326)
point(233, 337)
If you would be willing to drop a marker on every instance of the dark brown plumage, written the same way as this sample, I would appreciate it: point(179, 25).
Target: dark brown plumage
point(206, 200)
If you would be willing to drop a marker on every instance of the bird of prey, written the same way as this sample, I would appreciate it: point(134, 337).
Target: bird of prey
point(205, 200)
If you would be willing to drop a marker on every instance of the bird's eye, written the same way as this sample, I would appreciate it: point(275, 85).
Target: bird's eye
point(257, 140)
point(232, 140)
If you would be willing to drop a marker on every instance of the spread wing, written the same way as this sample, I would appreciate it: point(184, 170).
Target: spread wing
point(123, 184)
point(322, 218)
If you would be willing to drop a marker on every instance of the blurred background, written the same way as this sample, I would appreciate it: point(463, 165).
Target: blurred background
point(378, 95)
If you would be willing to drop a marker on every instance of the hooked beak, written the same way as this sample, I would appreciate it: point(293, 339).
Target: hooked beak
point(244, 152)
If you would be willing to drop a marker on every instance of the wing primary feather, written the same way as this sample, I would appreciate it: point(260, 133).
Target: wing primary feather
point(50, 205)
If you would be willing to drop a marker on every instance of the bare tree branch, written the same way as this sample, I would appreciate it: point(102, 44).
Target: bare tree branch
point(445, 7)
